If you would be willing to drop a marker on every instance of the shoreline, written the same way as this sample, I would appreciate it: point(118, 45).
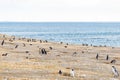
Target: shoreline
point(22, 59)
point(95, 43)
point(80, 44)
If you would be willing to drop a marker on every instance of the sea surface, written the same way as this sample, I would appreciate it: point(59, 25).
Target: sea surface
point(96, 33)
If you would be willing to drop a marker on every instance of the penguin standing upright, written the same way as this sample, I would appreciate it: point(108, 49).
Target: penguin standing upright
point(72, 73)
point(107, 57)
point(97, 56)
point(2, 42)
point(115, 72)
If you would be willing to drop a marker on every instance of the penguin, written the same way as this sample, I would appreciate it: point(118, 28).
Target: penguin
point(2, 42)
point(97, 56)
point(60, 72)
point(113, 61)
point(114, 71)
point(107, 57)
point(72, 73)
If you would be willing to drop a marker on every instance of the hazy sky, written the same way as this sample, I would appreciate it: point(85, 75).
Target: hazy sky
point(59, 10)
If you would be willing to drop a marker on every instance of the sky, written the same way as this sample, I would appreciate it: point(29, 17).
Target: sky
point(60, 10)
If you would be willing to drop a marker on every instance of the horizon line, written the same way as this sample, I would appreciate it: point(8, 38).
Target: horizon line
point(58, 22)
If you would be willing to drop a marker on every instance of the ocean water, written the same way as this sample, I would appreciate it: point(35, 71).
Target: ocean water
point(69, 32)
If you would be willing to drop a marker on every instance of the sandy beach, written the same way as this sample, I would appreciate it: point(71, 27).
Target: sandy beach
point(21, 59)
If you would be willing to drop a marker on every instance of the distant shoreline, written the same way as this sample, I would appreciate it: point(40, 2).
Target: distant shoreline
point(25, 38)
